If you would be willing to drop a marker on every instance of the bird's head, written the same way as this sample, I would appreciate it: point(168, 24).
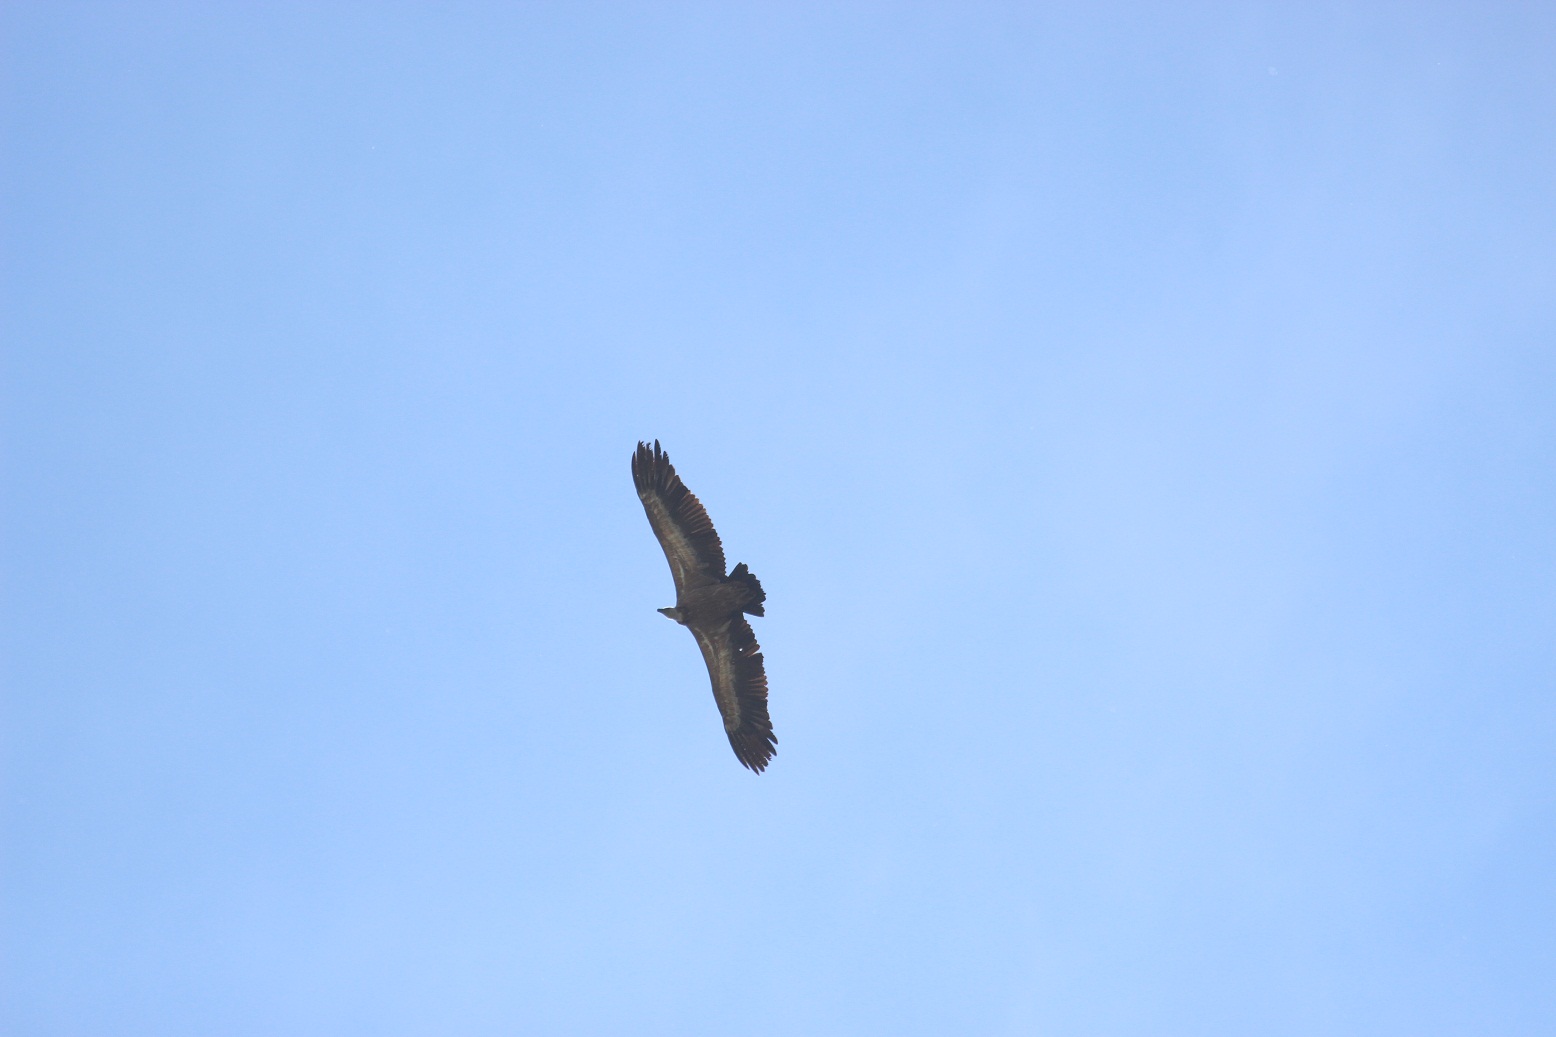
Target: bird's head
point(671, 613)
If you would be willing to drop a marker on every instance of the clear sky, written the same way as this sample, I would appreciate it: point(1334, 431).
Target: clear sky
point(1141, 417)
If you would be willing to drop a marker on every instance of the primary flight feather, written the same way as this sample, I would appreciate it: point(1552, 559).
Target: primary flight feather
point(711, 604)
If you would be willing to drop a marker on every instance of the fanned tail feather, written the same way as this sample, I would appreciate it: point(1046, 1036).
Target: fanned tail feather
point(740, 574)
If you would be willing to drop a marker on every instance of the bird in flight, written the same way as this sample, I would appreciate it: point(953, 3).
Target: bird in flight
point(712, 605)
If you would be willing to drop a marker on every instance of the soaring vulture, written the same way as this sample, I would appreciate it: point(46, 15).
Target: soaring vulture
point(710, 604)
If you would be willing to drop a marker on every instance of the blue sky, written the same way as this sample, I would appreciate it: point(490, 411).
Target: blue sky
point(1140, 416)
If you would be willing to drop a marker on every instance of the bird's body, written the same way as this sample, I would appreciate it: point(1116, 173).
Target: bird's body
point(714, 601)
point(710, 603)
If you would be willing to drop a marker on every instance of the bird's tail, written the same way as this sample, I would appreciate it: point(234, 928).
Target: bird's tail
point(740, 574)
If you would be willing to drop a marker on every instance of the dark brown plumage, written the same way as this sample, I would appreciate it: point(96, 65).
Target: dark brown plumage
point(712, 605)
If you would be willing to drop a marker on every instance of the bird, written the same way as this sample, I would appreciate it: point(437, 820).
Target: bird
point(711, 604)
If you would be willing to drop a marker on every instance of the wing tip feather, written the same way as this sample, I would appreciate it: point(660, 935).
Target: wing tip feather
point(753, 740)
point(654, 477)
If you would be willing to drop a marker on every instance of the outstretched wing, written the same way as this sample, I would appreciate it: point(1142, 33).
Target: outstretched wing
point(684, 530)
point(740, 688)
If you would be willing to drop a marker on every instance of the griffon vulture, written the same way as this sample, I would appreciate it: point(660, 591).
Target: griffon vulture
point(710, 604)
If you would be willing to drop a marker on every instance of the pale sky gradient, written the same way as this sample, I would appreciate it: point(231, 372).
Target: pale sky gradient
point(1141, 417)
